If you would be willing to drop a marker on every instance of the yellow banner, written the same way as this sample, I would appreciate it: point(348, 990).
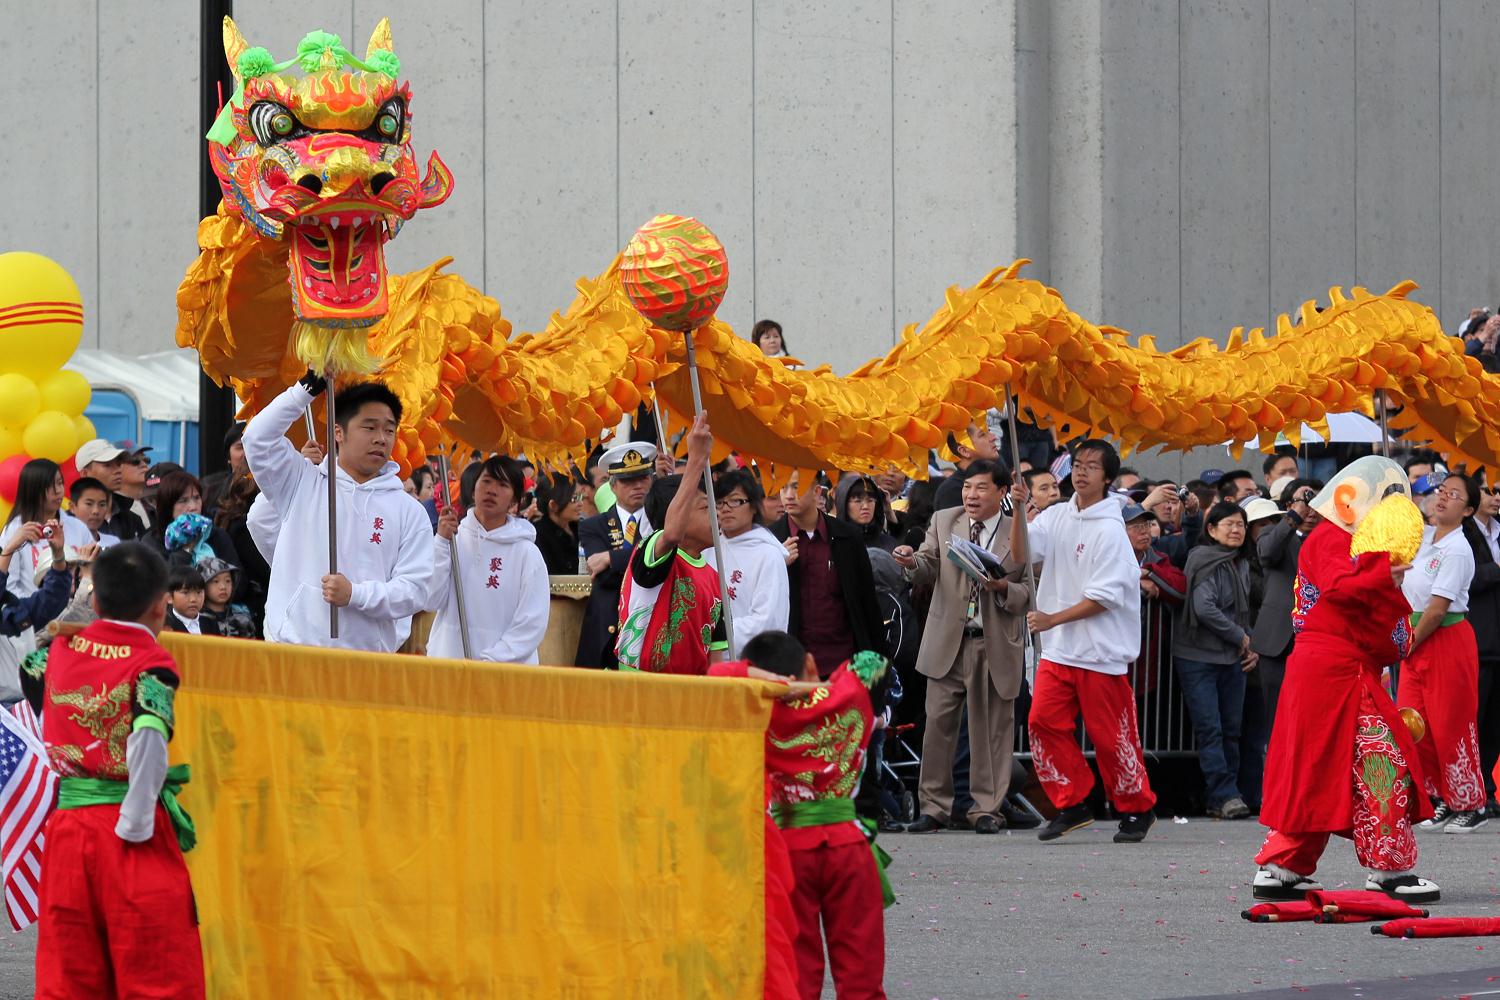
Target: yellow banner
point(387, 826)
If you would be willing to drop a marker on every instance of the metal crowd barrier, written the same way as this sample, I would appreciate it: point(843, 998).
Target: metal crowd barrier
point(1165, 728)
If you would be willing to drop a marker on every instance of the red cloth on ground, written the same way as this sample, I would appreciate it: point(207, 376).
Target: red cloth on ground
point(1108, 707)
point(838, 897)
point(1280, 913)
point(1363, 903)
point(1351, 622)
point(1440, 679)
point(117, 919)
point(1436, 927)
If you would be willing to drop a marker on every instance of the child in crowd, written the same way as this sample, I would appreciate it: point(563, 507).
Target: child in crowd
point(219, 615)
point(117, 915)
point(815, 749)
point(185, 587)
point(92, 504)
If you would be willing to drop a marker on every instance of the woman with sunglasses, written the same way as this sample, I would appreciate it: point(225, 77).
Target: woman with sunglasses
point(1440, 675)
point(754, 561)
point(557, 528)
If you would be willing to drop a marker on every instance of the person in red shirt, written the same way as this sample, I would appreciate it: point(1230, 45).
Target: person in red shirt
point(815, 750)
point(671, 613)
point(117, 916)
point(1342, 760)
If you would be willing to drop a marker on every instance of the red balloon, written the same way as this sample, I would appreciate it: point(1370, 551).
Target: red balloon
point(70, 472)
point(10, 476)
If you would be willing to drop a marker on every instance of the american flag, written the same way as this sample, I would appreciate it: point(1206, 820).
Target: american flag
point(1061, 466)
point(28, 789)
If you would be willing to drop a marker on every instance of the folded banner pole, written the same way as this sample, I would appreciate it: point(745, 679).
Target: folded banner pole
point(458, 579)
point(713, 504)
point(312, 425)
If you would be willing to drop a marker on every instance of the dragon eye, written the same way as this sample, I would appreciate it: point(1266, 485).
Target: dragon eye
point(390, 120)
point(271, 122)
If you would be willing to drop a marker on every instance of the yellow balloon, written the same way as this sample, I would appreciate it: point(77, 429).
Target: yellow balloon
point(5, 507)
point(10, 441)
point(82, 426)
point(41, 314)
point(20, 400)
point(65, 391)
point(50, 435)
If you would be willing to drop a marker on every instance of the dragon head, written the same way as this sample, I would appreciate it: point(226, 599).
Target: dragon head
point(323, 161)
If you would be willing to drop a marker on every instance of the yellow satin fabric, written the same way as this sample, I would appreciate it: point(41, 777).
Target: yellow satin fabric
point(388, 826)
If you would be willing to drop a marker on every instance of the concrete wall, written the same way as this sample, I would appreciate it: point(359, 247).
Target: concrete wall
point(1178, 168)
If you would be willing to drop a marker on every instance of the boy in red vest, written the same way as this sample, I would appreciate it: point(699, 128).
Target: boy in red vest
point(815, 749)
point(117, 916)
point(671, 618)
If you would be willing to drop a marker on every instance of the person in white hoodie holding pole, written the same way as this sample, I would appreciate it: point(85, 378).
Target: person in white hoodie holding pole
point(384, 536)
point(1089, 618)
point(506, 592)
point(759, 589)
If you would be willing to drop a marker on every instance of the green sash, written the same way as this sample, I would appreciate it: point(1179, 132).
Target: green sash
point(75, 793)
point(1451, 618)
point(827, 812)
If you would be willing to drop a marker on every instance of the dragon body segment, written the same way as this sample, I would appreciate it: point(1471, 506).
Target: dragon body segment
point(318, 173)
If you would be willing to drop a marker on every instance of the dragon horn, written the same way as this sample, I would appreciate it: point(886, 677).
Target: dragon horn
point(234, 45)
point(380, 39)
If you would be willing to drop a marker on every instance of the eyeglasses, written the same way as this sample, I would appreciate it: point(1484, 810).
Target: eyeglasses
point(1452, 495)
point(1088, 467)
point(734, 504)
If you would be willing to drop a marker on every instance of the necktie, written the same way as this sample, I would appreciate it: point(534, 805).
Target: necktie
point(630, 530)
point(975, 588)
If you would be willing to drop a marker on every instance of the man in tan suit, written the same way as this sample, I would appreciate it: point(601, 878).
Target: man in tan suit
point(972, 653)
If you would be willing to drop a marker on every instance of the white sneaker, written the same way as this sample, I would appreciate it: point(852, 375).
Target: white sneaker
point(1440, 817)
point(1406, 887)
point(1274, 888)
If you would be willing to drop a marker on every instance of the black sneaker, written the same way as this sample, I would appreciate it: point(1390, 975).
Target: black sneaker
point(1133, 827)
point(1466, 822)
point(1017, 818)
point(925, 824)
point(1070, 819)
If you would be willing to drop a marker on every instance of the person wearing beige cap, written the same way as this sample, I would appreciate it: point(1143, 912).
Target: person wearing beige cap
point(101, 460)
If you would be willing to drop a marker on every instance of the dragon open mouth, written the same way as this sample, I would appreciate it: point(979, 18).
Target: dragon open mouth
point(338, 265)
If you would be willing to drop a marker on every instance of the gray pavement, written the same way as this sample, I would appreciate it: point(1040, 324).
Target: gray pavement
point(1009, 917)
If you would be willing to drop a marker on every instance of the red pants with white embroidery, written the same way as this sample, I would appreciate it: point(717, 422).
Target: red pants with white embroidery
point(1382, 789)
point(1108, 707)
point(1440, 679)
point(117, 919)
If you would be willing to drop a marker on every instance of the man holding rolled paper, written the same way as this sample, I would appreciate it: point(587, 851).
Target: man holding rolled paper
point(972, 648)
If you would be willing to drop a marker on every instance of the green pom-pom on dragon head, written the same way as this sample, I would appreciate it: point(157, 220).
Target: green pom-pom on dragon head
point(322, 162)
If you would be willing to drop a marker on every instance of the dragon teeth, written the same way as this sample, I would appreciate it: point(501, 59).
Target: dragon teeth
point(333, 222)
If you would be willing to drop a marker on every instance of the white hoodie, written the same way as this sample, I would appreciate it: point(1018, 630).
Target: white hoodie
point(759, 588)
point(1087, 554)
point(384, 541)
point(507, 596)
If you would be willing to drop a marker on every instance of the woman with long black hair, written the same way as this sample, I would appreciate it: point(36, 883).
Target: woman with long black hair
point(557, 528)
point(1440, 675)
point(1211, 650)
point(39, 496)
point(180, 531)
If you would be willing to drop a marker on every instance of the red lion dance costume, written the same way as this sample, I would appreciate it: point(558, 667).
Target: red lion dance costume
point(1342, 761)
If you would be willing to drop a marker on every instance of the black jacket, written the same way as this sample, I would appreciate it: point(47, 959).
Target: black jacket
point(856, 579)
point(1484, 595)
point(559, 547)
point(124, 523)
point(601, 618)
point(1278, 547)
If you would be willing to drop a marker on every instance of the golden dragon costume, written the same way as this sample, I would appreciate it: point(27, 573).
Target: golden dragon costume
point(318, 172)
